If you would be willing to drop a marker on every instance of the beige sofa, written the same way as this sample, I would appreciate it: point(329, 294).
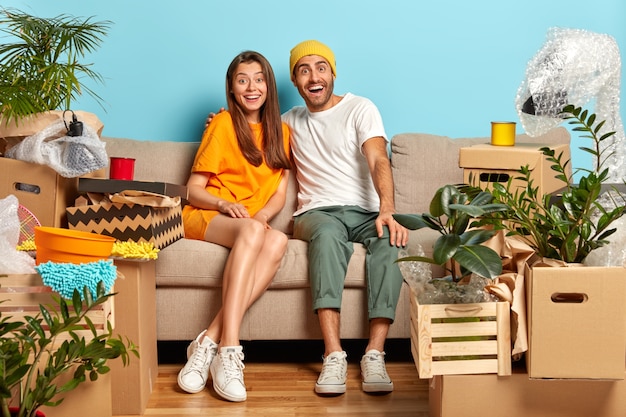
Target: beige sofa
point(189, 272)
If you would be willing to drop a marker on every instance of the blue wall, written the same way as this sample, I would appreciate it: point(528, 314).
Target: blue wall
point(446, 67)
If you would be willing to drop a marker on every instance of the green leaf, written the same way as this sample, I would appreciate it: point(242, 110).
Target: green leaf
point(411, 221)
point(476, 236)
point(445, 247)
point(474, 211)
point(480, 260)
point(436, 206)
point(417, 259)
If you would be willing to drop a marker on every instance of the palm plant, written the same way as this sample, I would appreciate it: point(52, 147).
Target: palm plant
point(39, 66)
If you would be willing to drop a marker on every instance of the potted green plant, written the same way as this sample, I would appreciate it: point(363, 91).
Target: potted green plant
point(40, 66)
point(459, 249)
point(37, 368)
point(568, 225)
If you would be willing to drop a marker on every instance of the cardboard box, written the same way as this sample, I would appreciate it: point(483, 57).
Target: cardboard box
point(91, 399)
point(107, 186)
point(38, 188)
point(486, 164)
point(519, 396)
point(576, 322)
point(21, 295)
point(136, 306)
point(135, 222)
point(460, 338)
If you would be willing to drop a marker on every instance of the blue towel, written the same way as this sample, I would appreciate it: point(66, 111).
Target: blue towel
point(65, 277)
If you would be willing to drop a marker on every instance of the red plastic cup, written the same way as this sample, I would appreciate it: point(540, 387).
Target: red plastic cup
point(122, 168)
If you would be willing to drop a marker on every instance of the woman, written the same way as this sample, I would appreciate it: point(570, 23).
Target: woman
point(238, 183)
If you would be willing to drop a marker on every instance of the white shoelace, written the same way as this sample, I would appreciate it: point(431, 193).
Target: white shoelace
point(333, 367)
point(375, 365)
point(199, 362)
point(233, 365)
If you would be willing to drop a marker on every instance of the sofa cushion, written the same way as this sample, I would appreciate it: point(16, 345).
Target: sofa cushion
point(193, 263)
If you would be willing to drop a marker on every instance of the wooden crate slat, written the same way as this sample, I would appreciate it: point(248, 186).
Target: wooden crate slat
point(503, 320)
point(21, 295)
point(480, 366)
point(481, 328)
point(485, 347)
point(461, 310)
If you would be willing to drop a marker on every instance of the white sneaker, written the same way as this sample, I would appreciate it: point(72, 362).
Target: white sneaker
point(374, 373)
point(227, 373)
point(194, 375)
point(332, 379)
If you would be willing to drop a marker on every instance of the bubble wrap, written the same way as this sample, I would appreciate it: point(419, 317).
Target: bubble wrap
point(575, 67)
point(418, 276)
point(12, 261)
point(70, 156)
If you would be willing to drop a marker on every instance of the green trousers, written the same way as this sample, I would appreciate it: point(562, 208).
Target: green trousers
point(330, 232)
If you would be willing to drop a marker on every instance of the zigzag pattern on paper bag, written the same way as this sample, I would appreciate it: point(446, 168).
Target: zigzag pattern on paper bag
point(160, 226)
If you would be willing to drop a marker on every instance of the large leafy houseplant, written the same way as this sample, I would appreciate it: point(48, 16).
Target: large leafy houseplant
point(40, 65)
point(37, 367)
point(459, 248)
point(568, 225)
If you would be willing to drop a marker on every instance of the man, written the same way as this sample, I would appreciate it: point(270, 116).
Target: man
point(345, 195)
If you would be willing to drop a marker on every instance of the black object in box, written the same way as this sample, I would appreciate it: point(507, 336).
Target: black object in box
point(94, 185)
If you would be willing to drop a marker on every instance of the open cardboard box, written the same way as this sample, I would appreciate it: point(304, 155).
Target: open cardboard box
point(160, 226)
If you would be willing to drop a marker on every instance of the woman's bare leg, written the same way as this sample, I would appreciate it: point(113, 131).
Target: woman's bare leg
point(255, 256)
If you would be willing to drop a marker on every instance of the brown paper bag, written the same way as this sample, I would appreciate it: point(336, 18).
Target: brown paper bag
point(510, 285)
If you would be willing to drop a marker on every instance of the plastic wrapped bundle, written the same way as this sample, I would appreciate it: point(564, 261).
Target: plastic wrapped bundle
point(12, 261)
point(70, 156)
point(575, 67)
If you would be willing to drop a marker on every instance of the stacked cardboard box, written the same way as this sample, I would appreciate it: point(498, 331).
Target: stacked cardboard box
point(136, 304)
point(576, 319)
point(38, 188)
point(486, 164)
point(519, 396)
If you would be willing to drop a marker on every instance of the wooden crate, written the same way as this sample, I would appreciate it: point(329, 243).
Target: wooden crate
point(21, 295)
point(460, 338)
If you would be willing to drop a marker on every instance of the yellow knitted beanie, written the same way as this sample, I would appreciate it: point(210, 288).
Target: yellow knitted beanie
point(312, 47)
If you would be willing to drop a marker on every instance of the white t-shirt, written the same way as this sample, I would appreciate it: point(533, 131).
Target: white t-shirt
point(327, 147)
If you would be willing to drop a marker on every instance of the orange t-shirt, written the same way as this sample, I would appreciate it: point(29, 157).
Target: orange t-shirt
point(230, 175)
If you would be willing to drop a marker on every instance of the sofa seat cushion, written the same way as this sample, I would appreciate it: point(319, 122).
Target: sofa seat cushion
point(194, 263)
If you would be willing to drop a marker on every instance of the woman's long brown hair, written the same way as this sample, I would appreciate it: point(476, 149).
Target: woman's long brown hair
point(273, 145)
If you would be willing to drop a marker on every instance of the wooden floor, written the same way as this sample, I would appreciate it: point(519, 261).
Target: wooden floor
point(286, 389)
